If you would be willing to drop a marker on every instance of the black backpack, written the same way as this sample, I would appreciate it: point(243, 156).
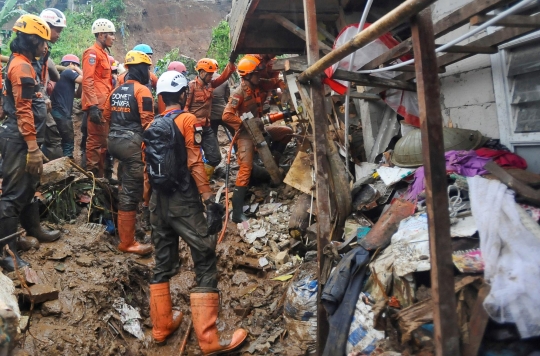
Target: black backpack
point(166, 156)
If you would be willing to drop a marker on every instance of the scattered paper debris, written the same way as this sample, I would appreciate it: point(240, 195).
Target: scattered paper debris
point(392, 175)
point(129, 317)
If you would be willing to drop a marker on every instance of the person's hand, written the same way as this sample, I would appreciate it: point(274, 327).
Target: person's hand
point(214, 216)
point(48, 103)
point(94, 114)
point(34, 161)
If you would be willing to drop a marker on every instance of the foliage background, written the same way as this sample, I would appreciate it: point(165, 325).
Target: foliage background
point(78, 35)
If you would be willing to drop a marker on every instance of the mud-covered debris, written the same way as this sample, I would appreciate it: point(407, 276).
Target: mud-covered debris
point(240, 277)
point(85, 261)
point(281, 258)
point(27, 243)
point(268, 209)
point(31, 276)
point(252, 236)
point(52, 307)
point(129, 317)
point(40, 292)
point(263, 342)
point(60, 267)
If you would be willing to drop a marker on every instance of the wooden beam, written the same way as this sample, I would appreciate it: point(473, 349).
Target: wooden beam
point(522, 189)
point(365, 96)
point(386, 23)
point(322, 169)
point(390, 55)
point(509, 21)
point(446, 335)
point(445, 25)
point(470, 49)
point(413, 69)
point(292, 27)
point(295, 15)
point(496, 38)
point(371, 81)
point(325, 33)
point(478, 323)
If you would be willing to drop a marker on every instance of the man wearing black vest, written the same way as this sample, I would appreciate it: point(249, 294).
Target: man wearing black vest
point(182, 213)
point(129, 110)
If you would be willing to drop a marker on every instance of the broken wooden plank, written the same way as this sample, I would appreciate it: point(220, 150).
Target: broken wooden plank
point(371, 81)
point(299, 221)
point(445, 25)
point(521, 188)
point(412, 69)
point(253, 125)
point(509, 21)
point(477, 323)
point(299, 175)
point(291, 26)
point(365, 96)
point(446, 334)
point(470, 49)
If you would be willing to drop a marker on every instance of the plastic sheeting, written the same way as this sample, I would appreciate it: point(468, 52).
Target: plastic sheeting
point(403, 102)
point(510, 252)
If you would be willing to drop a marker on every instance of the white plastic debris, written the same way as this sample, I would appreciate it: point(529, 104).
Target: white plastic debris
point(129, 317)
point(263, 262)
point(392, 175)
point(252, 236)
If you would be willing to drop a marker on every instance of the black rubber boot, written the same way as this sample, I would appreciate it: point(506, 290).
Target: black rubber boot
point(238, 204)
point(29, 219)
point(7, 227)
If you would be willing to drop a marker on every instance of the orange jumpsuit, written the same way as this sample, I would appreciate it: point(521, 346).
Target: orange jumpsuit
point(248, 99)
point(96, 86)
point(199, 100)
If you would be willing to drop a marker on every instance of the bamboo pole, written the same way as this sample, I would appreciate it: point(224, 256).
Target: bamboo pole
point(400, 14)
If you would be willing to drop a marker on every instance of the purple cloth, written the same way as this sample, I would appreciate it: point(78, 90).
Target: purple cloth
point(465, 163)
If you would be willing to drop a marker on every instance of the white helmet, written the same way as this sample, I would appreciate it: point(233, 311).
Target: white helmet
point(171, 82)
point(54, 17)
point(103, 25)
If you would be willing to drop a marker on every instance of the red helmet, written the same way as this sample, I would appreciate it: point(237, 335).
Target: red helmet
point(177, 66)
point(71, 58)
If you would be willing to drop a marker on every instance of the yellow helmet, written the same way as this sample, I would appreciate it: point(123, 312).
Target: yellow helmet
point(137, 57)
point(33, 25)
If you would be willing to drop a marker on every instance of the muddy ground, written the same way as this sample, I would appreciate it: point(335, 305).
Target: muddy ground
point(90, 274)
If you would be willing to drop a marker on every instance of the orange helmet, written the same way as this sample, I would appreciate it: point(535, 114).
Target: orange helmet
point(209, 65)
point(249, 64)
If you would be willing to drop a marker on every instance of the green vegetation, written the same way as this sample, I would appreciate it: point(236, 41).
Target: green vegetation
point(77, 36)
point(220, 47)
point(174, 55)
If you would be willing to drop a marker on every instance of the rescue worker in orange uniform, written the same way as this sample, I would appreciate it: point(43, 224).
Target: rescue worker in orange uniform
point(182, 213)
point(97, 85)
point(199, 103)
point(128, 111)
point(248, 97)
point(22, 132)
point(179, 67)
point(153, 78)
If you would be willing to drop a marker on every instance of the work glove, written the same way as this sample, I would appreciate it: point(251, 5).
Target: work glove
point(34, 161)
point(214, 216)
point(94, 114)
point(233, 57)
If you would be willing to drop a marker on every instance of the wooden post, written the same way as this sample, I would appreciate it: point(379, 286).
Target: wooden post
point(442, 270)
point(322, 167)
